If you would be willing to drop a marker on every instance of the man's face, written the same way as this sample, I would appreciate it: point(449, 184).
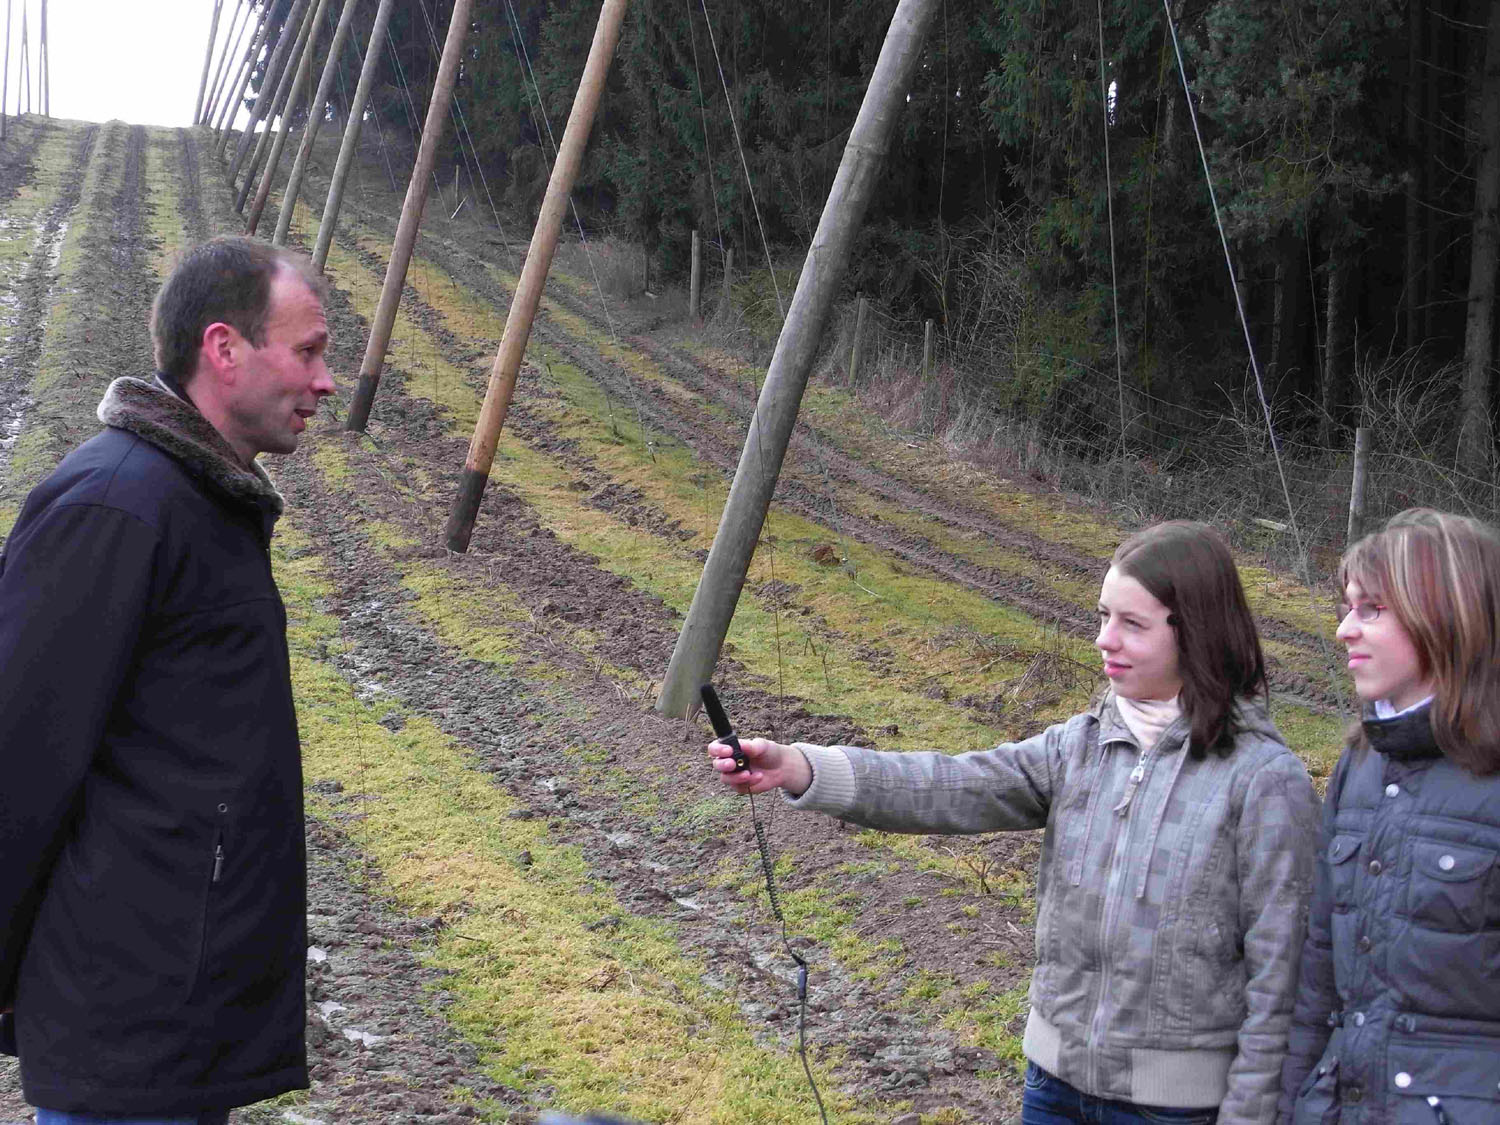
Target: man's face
point(282, 381)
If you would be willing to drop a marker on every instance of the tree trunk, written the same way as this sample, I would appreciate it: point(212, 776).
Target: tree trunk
point(1338, 358)
point(1476, 437)
point(1416, 277)
point(1288, 375)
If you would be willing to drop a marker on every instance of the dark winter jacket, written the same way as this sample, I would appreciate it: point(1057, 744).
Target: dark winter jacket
point(153, 887)
point(1399, 1000)
point(1170, 896)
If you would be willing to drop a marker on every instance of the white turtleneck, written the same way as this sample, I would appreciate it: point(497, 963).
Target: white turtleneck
point(1384, 709)
point(1147, 718)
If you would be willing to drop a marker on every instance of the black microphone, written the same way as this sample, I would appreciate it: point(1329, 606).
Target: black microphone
point(722, 727)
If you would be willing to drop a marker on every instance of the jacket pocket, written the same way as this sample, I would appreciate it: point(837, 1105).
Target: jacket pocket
point(1318, 1101)
point(1449, 886)
point(1342, 870)
point(214, 870)
point(1458, 1076)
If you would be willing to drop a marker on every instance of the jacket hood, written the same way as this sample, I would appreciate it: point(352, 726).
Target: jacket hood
point(1406, 737)
point(150, 410)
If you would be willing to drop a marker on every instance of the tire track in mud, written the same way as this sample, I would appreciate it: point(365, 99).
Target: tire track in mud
point(37, 287)
point(194, 224)
point(17, 157)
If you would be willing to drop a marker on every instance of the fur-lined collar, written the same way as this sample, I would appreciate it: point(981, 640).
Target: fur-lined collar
point(1406, 737)
point(151, 411)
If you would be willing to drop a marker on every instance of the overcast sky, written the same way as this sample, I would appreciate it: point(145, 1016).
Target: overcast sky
point(136, 61)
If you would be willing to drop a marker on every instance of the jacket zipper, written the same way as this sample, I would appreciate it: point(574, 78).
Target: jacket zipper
point(218, 861)
point(1111, 893)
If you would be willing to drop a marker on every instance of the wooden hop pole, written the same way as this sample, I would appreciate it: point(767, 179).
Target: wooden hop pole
point(279, 104)
point(314, 121)
point(44, 77)
point(718, 592)
point(221, 72)
point(533, 276)
point(290, 32)
point(411, 219)
point(24, 77)
point(300, 84)
point(329, 222)
point(242, 83)
point(208, 59)
point(5, 84)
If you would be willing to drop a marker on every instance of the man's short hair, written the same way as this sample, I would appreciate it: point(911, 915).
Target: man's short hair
point(228, 280)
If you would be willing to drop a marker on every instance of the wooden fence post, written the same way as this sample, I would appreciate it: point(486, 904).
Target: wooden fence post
point(728, 280)
point(861, 309)
point(927, 351)
point(1357, 486)
point(695, 282)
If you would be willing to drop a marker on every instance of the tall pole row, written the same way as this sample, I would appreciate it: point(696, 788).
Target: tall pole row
point(231, 45)
point(23, 78)
point(44, 83)
point(528, 294)
point(277, 105)
point(702, 636)
point(411, 219)
point(208, 59)
point(5, 84)
point(350, 143)
point(226, 126)
point(314, 122)
point(268, 85)
point(300, 85)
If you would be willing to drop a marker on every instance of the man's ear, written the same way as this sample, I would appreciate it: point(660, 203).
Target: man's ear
point(220, 350)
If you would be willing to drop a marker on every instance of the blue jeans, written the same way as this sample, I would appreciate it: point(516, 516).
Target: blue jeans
point(1051, 1101)
point(62, 1117)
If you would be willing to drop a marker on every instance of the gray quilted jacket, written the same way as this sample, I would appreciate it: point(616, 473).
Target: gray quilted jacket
point(1399, 1006)
point(1170, 899)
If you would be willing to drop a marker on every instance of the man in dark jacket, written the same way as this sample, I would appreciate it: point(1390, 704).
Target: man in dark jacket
point(152, 872)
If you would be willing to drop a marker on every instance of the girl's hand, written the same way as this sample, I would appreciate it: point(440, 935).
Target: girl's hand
point(771, 766)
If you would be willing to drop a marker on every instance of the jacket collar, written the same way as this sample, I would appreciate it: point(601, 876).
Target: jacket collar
point(165, 417)
point(1406, 737)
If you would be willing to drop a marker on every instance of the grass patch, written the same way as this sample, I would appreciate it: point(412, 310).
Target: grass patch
point(618, 1019)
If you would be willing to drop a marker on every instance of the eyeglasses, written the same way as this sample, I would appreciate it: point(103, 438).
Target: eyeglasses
point(1365, 611)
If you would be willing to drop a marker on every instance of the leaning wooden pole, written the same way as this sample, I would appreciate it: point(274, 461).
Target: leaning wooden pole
point(23, 79)
point(314, 121)
point(279, 105)
point(5, 85)
point(44, 57)
point(718, 592)
point(262, 33)
point(269, 85)
point(411, 218)
point(329, 222)
point(216, 83)
point(300, 85)
point(533, 276)
point(208, 58)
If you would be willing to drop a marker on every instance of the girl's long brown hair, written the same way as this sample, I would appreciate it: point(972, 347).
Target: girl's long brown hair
point(1440, 574)
point(1188, 568)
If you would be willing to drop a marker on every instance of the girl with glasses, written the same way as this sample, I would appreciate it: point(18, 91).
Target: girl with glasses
point(1398, 1010)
